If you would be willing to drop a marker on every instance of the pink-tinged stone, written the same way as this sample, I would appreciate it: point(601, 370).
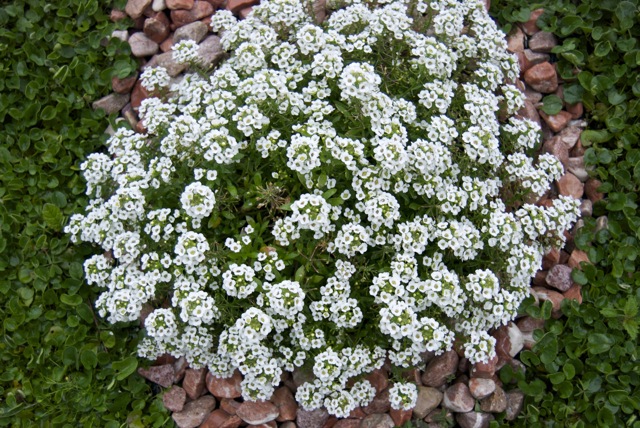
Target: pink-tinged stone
point(135, 8)
point(229, 405)
point(195, 31)
point(180, 366)
point(528, 58)
point(440, 369)
point(225, 388)
point(179, 4)
point(552, 296)
point(347, 423)
point(257, 412)
point(111, 103)
point(221, 419)
point(564, 256)
point(576, 166)
point(503, 343)
point(311, 418)
point(574, 293)
point(555, 147)
point(157, 27)
point(379, 379)
point(531, 95)
point(576, 110)
point(117, 15)
point(529, 324)
point(160, 375)
point(495, 403)
point(551, 259)
point(330, 422)
point(529, 111)
point(515, 401)
point(195, 412)
point(481, 388)
point(559, 277)
point(414, 376)
point(140, 128)
point(379, 404)
point(530, 27)
point(174, 399)
point(556, 122)
point(515, 40)
point(284, 400)
point(271, 424)
point(124, 86)
point(577, 150)
point(457, 398)
point(542, 78)
point(217, 4)
point(288, 425)
point(237, 5)
point(243, 13)
point(577, 257)
point(591, 190)
point(164, 359)
point(201, 9)
point(570, 136)
point(400, 417)
point(357, 413)
point(428, 399)
point(570, 185)
point(141, 45)
point(194, 382)
point(377, 420)
point(539, 278)
point(474, 420)
point(167, 44)
point(542, 41)
point(485, 370)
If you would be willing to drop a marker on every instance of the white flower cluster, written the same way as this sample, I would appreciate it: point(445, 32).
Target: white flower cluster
point(155, 78)
point(329, 197)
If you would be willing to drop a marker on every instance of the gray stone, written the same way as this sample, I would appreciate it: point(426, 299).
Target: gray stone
point(457, 398)
point(311, 418)
point(515, 401)
point(141, 45)
point(377, 420)
point(158, 5)
point(474, 420)
point(120, 34)
point(542, 41)
point(194, 31)
point(481, 388)
point(440, 369)
point(174, 399)
point(559, 277)
point(111, 103)
point(495, 403)
point(166, 60)
point(211, 51)
point(195, 412)
point(428, 399)
point(134, 8)
point(161, 375)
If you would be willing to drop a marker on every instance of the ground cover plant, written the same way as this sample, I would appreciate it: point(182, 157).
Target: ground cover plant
point(61, 365)
point(585, 370)
point(327, 197)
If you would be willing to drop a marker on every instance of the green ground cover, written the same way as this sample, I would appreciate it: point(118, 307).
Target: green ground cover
point(61, 365)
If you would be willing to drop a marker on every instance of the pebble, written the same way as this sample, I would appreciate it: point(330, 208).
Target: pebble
point(221, 419)
point(311, 418)
point(555, 147)
point(529, 324)
point(195, 412)
point(201, 9)
point(515, 401)
point(553, 296)
point(124, 86)
point(157, 28)
point(495, 403)
point(577, 257)
point(211, 51)
point(559, 277)
point(530, 27)
point(542, 41)
point(161, 375)
point(284, 400)
point(586, 208)
point(542, 78)
point(194, 382)
point(236, 5)
point(515, 40)
point(552, 258)
point(528, 58)
point(379, 379)
point(485, 370)
point(225, 388)
point(229, 405)
point(379, 404)
point(180, 367)
point(574, 293)
point(347, 423)
point(591, 190)
point(138, 94)
point(529, 111)
point(400, 417)
point(257, 412)
point(111, 103)
point(481, 388)
point(570, 136)
point(474, 420)
point(120, 34)
point(166, 60)
point(243, 15)
point(179, 4)
point(570, 185)
point(194, 31)
point(440, 369)
point(457, 398)
point(319, 11)
point(174, 399)
point(556, 122)
point(135, 8)
point(377, 420)
point(576, 110)
point(141, 45)
point(158, 5)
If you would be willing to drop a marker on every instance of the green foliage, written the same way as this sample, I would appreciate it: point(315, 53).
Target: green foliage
point(61, 366)
point(584, 371)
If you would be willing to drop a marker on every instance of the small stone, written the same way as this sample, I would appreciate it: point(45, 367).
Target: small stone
point(528, 58)
point(166, 60)
point(530, 27)
point(542, 78)
point(243, 13)
point(225, 388)
point(509, 341)
point(319, 11)
point(117, 15)
point(529, 324)
point(194, 31)
point(201, 9)
point(180, 366)
point(195, 412)
point(570, 136)
point(210, 51)
point(495, 403)
point(458, 399)
point(556, 148)
point(357, 413)
point(552, 296)
point(515, 40)
point(141, 45)
point(158, 5)
point(291, 425)
point(377, 420)
point(379, 404)
point(124, 86)
point(257, 412)
point(559, 277)
point(551, 259)
point(542, 41)
point(556, 122)
point(591, 190)
point(111, 103)
point(474, 420)
point(311, 418)
point(481, 388)
point(570, 185)
point(120, 34)
point(529, 111)
point(586, 208)
point(440, 369)
point(160, 375)
point(194, 383)
point(515, 400)
point(347, 423)
point(167, 44)
point(485, 370)
point(400, 417)
point(301, 376)
point(179, 4)
point(221, 419)
point(576, 166)
point(229, 405)
point(236, 5)
point(174, 399)
point(379, 379)
point(574, 293)
point(576, 110)
point(286, 404)
point(157, 28)
point(135, 8)
point(576, 258)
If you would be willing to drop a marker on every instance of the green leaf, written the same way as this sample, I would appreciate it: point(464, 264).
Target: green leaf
point(125, 368)
point(89, 359)
point(589, 137)
point(108, 339)
point(48, 113)
point(599, 343)
point(52, 216)
point(74, 300)
point(552, 104)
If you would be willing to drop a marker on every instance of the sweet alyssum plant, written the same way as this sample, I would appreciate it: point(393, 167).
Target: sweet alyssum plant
point(329, 197)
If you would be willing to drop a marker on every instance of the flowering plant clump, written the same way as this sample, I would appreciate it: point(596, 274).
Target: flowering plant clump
point(329, 197)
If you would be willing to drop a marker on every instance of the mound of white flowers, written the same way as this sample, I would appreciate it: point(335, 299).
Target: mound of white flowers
point(329, 197)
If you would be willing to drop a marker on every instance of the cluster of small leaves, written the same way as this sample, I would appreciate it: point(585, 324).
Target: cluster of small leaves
point(585, 369)
point(60, 365)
